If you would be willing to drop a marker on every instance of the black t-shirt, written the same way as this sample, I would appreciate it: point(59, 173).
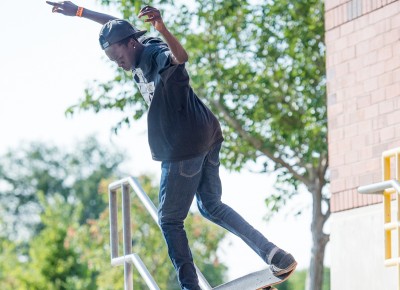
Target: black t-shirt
point(180, 126)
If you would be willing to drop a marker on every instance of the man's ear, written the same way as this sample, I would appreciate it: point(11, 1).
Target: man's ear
point(132, 42)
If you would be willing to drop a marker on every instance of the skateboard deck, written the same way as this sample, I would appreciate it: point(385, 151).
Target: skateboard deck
point(260, 280)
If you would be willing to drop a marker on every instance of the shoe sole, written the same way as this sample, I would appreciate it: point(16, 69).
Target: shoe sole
point(289, 269)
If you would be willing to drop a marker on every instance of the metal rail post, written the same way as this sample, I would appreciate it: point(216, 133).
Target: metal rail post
point(387, 188)
point(146, 201)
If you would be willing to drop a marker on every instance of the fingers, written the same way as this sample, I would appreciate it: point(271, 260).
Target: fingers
point(55, 4)
point(149, 11)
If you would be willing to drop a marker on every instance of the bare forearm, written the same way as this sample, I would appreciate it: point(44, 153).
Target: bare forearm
point(97, 16)
point(68, 8)
point(179, 53)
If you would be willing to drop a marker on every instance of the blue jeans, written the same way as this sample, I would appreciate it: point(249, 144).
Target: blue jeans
point(180, 182)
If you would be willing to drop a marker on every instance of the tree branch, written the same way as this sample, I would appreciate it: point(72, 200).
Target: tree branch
point(256, 142)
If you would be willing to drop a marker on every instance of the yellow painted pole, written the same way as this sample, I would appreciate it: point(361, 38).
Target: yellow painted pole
point(387, 212)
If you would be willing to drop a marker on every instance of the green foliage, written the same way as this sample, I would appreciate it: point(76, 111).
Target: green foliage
point(38, 167)
point(68, 252)
point(298, 281)
point(53, 263)
point(148, 243)
point(261, 68)
point(11, 272)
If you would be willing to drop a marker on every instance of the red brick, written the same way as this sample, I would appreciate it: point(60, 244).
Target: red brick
point(392, 91)
point(395, 144)
point(333, 148)
point(372, 139)
point(393, 63)
point(346, 28)
point(385, 79)
point(348, 197)
point(364, 127)
point(371, 111)
point(386, 107)
point(355, 64)
point(330, 4)
point(335, 110)
point(334, 207)
point(329, 20)
point(363, 101)
point(396, 48)
point(384, 13)
point(395, 21)
point(337, 161)
point(391, 36)
point(353, 92)
point(347, 170)
point(348, 80)
point(340, 44)
point(341, 200)
point(365, 153)
point(367, 6)
point(332, 35)
point(350, 157)
point(370, 58)
point(383, 26)
point(397, 134)
point(337, 186)
point(362, 48)
point(370, 85)
point(378, 95)
point(350, 131)
point(393, 118)
point(379, 122)
point(377, 69)
point(387, 134)
point(339, 16)
point(361, 22)
point(348, 53)
point(384, 53)
point(329, 60)
point(376, 42)
point(377, 150)
point(336, 135)
point(365, 178)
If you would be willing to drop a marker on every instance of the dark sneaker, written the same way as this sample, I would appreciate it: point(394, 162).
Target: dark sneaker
point(284, 265)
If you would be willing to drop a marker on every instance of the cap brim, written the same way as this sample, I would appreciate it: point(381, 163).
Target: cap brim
point(140, 33)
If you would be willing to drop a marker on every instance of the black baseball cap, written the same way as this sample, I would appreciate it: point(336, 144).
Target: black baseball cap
point(115, 30)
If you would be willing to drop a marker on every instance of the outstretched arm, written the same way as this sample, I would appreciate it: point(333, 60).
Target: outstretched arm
point(179, 54)
point(70, 9)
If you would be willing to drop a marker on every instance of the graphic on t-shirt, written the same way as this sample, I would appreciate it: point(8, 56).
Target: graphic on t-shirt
point(146, 88)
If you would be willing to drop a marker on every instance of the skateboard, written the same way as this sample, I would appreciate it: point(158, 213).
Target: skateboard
point(260, 280)
point(282, 278)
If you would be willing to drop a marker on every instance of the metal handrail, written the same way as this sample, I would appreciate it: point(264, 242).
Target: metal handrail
point(148, 204)
point(379, 187)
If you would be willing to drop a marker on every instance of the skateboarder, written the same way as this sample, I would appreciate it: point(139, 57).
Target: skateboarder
point(183, 134)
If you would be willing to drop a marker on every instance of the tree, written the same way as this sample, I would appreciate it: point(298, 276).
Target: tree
point(11, 271)
point(92, 242)
point(38, 167)
point(69, 252)
point(261, 67)
point(52, 263)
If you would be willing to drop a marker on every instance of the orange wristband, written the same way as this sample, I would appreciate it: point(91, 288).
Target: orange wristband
point(79, 11)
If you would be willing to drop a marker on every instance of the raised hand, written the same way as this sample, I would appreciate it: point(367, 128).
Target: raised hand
point(65, 7)
point(153, 16)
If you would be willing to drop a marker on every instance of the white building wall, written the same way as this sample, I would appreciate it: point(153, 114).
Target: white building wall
point(357, 247)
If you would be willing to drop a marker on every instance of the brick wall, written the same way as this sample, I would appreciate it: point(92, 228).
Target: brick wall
point(363, 85)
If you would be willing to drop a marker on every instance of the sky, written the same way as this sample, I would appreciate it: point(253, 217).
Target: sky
point(47, 60)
